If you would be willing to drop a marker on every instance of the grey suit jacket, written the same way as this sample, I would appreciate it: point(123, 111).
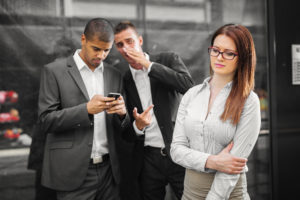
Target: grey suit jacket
point(63, 114)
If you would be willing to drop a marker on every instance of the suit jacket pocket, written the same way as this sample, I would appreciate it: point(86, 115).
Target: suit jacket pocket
point(61, 145)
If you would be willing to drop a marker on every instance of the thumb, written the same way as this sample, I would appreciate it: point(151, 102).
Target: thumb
point(229, 147)
point(135, 113)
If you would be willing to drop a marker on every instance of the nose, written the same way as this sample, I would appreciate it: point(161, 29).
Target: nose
point(101, 55)
point(220, 56)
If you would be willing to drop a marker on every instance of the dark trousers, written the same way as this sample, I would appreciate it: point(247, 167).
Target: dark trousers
point(98, 185)
point(41, 192)
point(157, 172)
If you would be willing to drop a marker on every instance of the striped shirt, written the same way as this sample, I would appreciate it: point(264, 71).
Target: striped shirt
point(197, 136)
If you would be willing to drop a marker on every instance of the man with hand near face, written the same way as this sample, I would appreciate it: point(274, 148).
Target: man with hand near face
point(82, 124)
point(153, 85)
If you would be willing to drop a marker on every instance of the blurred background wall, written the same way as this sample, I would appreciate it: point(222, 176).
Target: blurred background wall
point(35, 32)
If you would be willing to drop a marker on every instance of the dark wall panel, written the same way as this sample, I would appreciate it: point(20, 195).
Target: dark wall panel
point(284, 30)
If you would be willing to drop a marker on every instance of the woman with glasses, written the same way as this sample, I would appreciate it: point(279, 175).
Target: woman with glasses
point(221, 112)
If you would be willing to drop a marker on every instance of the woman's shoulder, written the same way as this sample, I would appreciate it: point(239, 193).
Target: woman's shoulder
point(252, 100)
point(253, 97)
point(192, 92)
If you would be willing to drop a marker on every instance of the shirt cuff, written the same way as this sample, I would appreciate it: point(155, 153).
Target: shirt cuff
point(137, 131)
point(149, 68)
point(202, 163)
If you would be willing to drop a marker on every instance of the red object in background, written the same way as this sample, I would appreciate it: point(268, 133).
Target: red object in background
point(12, 96)
point(2, 96)
point(9, 134)
point(8, 96)
point(12, 116)
point(5, 117)
point(12, 133)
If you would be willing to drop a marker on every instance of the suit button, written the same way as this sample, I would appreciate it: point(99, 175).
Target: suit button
point(92, 124)
point(161, 127)
point(78, 125)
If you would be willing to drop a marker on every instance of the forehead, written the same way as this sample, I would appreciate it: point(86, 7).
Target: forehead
point(125, 34)
point(224, 42)
point(100, 44)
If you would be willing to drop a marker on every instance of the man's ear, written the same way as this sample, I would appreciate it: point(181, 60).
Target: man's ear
point(83, 39)
point(141, 41)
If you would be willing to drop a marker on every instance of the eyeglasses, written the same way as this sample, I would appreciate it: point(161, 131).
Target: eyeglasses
point(227, 55)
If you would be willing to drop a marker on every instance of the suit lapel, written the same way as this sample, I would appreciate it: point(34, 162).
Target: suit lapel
point(73, 70)
point(132, 94)
point(153, 82)
point(106, 80)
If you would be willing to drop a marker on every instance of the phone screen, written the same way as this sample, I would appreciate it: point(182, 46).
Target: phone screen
point(114, 94)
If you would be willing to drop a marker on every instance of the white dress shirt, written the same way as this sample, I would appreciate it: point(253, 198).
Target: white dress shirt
point(197, 136)
point(93, 81)
point(153, 136)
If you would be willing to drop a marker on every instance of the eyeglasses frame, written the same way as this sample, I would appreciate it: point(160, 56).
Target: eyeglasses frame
point(221, 52)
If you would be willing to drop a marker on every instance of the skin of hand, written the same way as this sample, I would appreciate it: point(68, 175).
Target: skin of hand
point(144, 119)
point(225, 162)
point(98, 103)
point(138, 57)
point(117, 107)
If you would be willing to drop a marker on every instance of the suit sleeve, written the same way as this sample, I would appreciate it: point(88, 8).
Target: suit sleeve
point(244, 140)
point(174, 74)
point(125, 122)
point(53, 117)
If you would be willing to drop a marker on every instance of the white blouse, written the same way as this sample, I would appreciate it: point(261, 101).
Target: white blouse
point(196, 136)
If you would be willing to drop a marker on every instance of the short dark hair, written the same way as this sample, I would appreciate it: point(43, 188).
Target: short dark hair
point(100, 28)
point(124, 25)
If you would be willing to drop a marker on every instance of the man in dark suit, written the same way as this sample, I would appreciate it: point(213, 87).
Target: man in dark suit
point(81, 123)
point(157, 80)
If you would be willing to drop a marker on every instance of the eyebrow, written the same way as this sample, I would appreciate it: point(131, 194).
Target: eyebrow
point(225, 49)
point(97, 48)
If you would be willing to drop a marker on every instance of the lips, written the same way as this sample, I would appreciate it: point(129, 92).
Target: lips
point(97, 62)
point(219, 65)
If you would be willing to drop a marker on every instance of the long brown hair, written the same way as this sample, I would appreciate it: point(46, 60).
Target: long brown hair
point(243, 80)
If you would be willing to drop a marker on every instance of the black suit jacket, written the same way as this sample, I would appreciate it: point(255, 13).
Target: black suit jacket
point(64, 118)
point(169, 79)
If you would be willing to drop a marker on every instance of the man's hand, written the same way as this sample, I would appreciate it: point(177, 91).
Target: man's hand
point(98, 104)
point(117, 107)
point(139, 57)
point(225, 162)
point(144, 119)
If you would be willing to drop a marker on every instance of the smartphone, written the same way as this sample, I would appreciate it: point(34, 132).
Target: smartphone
point(114, 94)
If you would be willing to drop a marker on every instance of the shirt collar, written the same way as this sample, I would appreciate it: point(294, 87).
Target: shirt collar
point(206, 81)
point(228, 85)
point(206, 84)
point(135, 71)
point(81, 64)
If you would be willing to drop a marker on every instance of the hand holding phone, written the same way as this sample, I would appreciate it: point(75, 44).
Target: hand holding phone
point(114, 94)
point(118, 107)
